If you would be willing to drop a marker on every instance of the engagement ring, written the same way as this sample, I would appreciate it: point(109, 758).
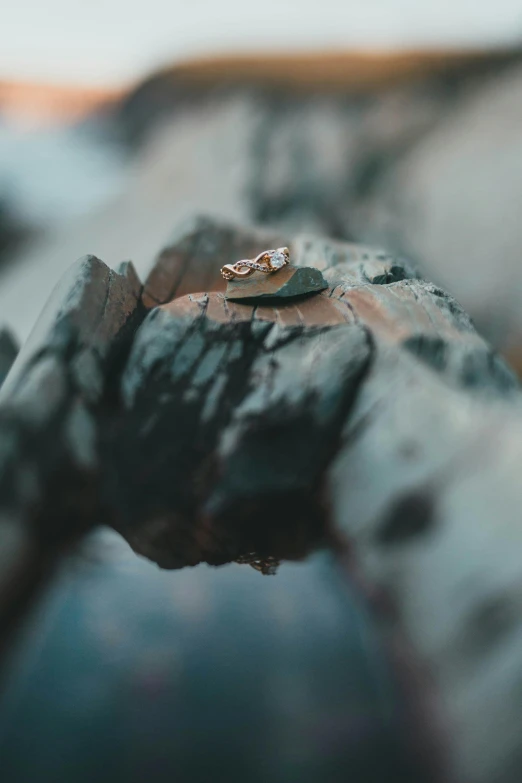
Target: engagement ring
point(268, 261)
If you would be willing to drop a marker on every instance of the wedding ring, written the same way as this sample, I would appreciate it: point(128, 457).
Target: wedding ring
point(268, 261)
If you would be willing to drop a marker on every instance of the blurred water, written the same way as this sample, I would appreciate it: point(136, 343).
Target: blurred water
point(51, 174)
point(128, 673)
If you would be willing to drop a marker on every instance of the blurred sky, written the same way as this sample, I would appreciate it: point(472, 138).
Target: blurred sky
point(113, 41)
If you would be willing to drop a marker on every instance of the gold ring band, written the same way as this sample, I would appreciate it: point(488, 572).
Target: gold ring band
point(268, 261)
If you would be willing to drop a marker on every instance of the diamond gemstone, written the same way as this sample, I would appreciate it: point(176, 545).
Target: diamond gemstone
point(277, 259)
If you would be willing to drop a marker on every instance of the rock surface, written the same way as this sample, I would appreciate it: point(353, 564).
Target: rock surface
point(51, 415)
point(370, 418)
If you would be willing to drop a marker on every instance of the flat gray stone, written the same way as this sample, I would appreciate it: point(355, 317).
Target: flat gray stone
point(288, 282)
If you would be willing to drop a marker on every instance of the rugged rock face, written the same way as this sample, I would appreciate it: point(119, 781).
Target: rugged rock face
point(369, 418)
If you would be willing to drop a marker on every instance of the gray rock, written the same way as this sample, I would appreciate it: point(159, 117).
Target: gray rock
point(284, 284)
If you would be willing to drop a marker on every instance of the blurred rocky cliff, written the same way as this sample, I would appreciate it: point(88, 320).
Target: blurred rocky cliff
point(417, 152)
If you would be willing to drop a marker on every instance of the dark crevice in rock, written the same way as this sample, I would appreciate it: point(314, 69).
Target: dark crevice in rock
point(8, 352)
point(393, 275)
point(410, 516)
point(118, 356)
